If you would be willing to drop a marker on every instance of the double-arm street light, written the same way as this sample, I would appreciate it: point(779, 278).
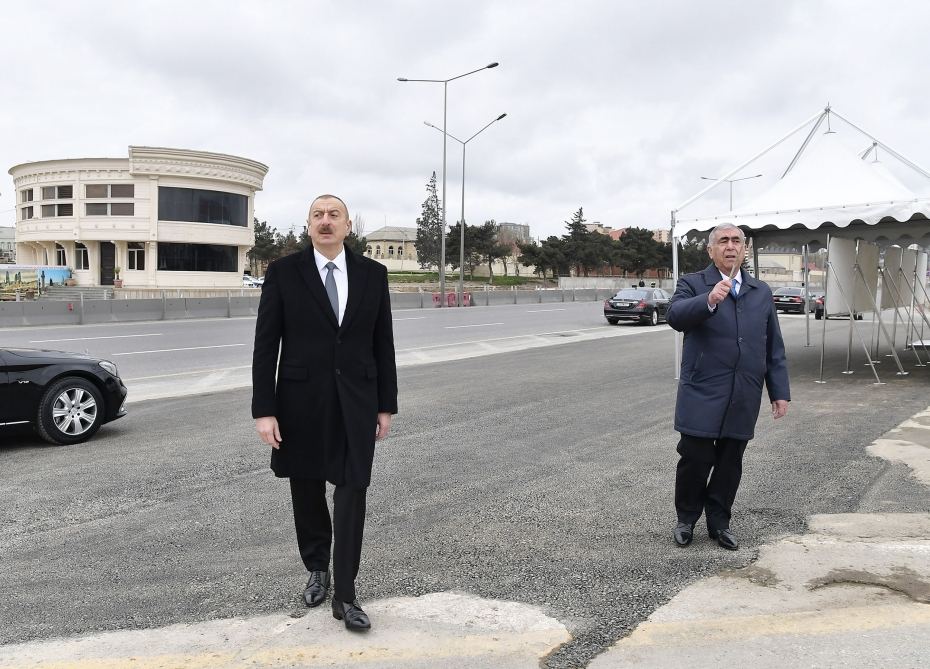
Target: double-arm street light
point(462, 219)
point(730, 181)
point(442, 236)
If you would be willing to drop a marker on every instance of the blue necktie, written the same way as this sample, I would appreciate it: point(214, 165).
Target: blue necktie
point(330, 285)
point(734, 289)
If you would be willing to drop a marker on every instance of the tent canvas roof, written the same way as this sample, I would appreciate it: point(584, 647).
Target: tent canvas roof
point(830, 189)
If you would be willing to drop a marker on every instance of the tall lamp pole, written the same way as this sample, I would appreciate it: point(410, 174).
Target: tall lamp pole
point(461, 291)
point(442, 236)
point(730, 181)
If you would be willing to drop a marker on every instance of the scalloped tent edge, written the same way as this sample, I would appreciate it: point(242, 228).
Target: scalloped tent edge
point(826, 189)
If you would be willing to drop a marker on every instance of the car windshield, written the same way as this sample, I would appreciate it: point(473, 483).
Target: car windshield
point(789, 291)
point(631, 294)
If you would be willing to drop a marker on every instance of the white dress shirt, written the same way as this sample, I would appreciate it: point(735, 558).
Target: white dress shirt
point(339, 274)
point(735, 284)
point(735, 281)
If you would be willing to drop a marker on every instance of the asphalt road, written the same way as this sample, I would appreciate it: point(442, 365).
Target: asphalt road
point(542, 476)
point(153, 348)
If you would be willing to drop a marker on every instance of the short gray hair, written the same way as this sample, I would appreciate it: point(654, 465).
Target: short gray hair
point(712, 237)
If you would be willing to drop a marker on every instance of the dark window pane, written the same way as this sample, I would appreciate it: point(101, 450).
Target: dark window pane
point(197, 257)
point(96, 190)
point(48, 192)
point(95, 209)
point(123, 190)
point(26, 195)
point(80, 256)
point(136, 255)
point(122, 209)
point(48, 210)
point(66, 210)
point(65, 192)
point(202, 206)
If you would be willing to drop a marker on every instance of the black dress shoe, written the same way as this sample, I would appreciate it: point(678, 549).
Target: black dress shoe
point(684, 533)
point(316, 589)
point(725, 538)
point(351, 614)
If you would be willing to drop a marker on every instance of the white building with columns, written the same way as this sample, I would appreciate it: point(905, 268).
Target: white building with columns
point(167, 218)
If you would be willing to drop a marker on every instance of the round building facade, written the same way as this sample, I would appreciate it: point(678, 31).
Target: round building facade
point(163, 218)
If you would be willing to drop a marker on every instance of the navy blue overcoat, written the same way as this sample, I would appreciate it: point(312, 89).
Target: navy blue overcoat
point(727, 355)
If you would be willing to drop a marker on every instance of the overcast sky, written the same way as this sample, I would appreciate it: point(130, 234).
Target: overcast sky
point(617, 107)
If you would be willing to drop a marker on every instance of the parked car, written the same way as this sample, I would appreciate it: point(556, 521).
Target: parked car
point(251, 281)
point(65, 397)
point(819, 309)
point(791, 299)
point(646, 305)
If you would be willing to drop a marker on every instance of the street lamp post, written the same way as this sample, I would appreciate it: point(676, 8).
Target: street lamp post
point(442, 236)
point(462, 219)
point(730, 181)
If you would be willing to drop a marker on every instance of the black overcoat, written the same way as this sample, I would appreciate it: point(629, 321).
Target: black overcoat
point(332, 381)
point(726, 356)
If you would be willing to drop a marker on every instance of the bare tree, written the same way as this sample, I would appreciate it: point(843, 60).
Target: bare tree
point(358, 225)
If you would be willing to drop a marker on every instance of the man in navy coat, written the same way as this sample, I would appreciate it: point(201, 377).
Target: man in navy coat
point(324, 388)
point(732, 344)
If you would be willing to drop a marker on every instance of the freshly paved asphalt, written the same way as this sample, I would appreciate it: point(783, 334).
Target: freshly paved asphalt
point(541, 476)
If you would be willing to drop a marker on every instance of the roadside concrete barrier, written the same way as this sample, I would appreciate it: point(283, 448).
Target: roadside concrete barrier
point(154, 308)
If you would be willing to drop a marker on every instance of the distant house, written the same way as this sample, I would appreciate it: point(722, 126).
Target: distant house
point(393, 246)
point(159, 218)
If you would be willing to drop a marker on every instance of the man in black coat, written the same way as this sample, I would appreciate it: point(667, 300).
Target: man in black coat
point(323, 402)
point(732, 344)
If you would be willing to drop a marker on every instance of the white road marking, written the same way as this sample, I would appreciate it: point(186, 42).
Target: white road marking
point(191, 372)
point(542, 311)
point(560, 333)
point(172, 350)
point(478, 325)
point(46, 341)
point(415, 318)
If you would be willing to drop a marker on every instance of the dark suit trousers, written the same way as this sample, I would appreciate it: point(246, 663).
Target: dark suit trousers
point(721, 460)
point(317, 533)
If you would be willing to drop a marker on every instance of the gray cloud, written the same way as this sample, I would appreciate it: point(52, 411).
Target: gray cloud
point(617, 107)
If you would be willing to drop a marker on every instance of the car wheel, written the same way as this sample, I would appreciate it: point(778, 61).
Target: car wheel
point(70, 412)
point(654, 317)
point(613, 321)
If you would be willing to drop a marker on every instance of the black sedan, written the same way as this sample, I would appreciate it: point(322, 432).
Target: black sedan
point(820, 301)
point(646, 305)
point(791, 299)
point(65, 397)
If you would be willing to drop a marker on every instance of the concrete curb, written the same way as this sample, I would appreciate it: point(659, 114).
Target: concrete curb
point(854, 592)
point(440, 630)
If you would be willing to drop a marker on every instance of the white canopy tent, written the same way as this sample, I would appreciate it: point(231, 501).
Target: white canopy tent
point(827, 190)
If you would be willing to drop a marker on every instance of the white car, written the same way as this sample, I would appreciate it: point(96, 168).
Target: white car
point(252, 282)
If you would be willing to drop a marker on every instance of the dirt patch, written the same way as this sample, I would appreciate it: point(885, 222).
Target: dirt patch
point(906, 581)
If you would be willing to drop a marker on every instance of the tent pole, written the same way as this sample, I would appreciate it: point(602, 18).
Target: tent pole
point(887, 148)
point(852, 326)
point(823, 331)
point(807, 297)
point(897, 299)
point(881, 325)
point(913, 290)
point(677, 343)
point(807, 140)
point(751, 160)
